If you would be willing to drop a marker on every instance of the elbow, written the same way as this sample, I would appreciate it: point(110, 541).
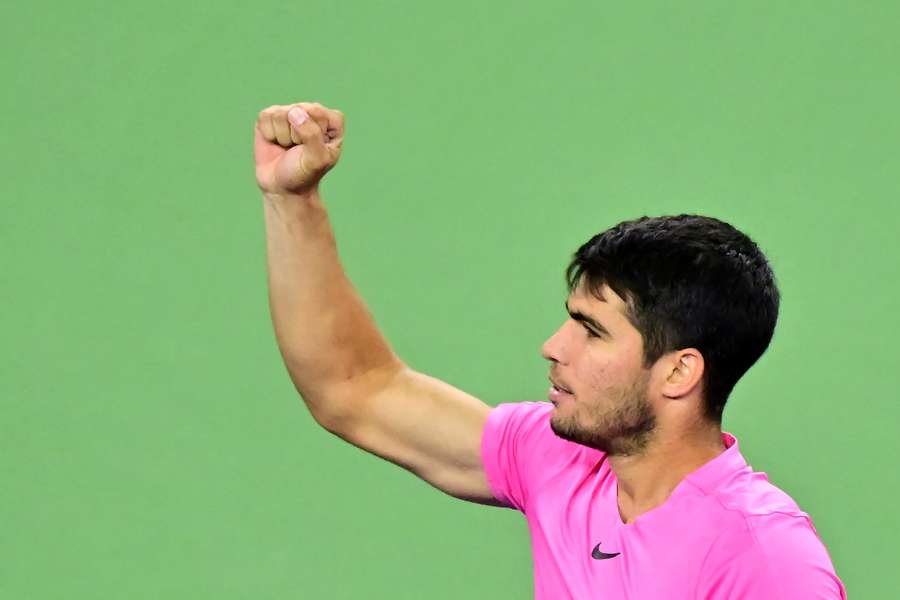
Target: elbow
point(340, 405)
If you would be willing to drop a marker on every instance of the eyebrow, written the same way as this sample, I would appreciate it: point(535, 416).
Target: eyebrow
point(583, 318)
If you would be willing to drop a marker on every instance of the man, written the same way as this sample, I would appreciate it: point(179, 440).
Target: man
point(629, 485)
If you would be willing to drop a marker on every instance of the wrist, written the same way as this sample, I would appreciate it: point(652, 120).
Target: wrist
point(291, 206)
point(311, 195)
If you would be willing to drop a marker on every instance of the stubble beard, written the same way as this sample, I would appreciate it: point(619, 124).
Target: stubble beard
point(623, 430)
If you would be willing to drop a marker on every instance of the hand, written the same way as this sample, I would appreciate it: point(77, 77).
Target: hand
point(295, 145)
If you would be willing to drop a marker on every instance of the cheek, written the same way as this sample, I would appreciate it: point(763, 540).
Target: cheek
point(604, 376)
point(595, 377)
point(599, 376)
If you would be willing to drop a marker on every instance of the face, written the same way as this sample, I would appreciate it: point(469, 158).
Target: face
point(599, 385)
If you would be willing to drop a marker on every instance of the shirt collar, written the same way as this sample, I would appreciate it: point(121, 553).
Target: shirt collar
point(723, 467)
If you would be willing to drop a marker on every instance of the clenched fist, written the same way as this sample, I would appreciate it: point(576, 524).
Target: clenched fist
point(295, 145)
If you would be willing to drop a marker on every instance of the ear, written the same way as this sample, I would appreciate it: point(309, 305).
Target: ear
point(684, 373)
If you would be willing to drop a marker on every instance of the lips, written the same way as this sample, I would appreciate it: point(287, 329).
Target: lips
point(559, 385)
point(558, 392)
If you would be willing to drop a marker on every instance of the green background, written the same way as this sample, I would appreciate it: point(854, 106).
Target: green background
point(151, 444)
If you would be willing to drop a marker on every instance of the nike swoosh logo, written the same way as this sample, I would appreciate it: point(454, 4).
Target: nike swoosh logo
point(603, 555)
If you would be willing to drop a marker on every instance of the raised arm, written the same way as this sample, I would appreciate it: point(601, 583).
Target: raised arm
point(352, 382)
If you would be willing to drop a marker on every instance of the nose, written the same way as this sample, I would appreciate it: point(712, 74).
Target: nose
point(554, 348)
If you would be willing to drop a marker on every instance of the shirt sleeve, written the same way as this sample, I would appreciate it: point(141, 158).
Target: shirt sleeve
point(781, 558)
point(511, 444)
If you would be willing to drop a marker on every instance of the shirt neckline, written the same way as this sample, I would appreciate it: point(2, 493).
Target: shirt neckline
point(707, 478)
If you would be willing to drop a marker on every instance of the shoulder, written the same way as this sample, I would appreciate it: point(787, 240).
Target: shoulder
point(524, 410)
point(769, 548)
point(528, 415)
point(520, 451)
point(523, 428)
point(526, 426)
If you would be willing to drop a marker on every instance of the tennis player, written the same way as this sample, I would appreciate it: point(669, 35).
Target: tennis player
point(629, 485)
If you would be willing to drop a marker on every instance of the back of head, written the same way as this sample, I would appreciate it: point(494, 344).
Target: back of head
point(689, 282)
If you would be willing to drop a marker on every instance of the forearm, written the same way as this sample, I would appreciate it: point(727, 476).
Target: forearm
point(326, 335)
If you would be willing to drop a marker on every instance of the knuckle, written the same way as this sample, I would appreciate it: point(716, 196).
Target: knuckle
point(314, 108)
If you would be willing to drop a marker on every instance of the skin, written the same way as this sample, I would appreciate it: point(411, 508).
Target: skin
point(649, 419)
point(342, 366)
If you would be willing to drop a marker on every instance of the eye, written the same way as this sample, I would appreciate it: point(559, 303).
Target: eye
point(591, 333)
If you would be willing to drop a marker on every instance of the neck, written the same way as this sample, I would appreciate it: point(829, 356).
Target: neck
point(647, 479)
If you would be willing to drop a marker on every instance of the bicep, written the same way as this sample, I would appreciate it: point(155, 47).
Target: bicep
point(425, 426)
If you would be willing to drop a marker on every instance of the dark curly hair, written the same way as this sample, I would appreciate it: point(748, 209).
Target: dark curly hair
point(689, 282)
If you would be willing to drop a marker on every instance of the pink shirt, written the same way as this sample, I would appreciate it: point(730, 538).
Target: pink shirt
point(724, 533)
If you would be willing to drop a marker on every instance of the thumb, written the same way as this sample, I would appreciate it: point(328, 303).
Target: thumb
point(311, 136)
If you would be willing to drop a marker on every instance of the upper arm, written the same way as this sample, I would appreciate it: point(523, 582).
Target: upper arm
point(423, 425)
